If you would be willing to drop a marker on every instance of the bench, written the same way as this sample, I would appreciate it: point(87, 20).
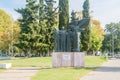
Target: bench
point(5, 65)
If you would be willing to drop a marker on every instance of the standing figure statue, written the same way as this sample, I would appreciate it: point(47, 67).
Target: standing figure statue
point(76, 28)
point(69, 40)
point(60, 40)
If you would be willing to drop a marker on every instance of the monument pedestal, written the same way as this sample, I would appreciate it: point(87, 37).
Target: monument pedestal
point(68, 59)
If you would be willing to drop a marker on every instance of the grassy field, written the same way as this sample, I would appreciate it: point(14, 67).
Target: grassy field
point(55, 73)
point(29, 62)
point(1, 70)
point(69, 73)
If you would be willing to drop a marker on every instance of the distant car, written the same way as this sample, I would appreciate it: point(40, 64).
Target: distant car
point(98, 53)
point(3, 56)
point(117, 56)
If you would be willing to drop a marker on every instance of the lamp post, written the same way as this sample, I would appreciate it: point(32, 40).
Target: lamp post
point(113, 44)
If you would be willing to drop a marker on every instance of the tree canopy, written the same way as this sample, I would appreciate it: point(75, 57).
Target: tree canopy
point(96, 36)
point(9, 31)
point(112, 38)
point(37, 28)
point(63, 13)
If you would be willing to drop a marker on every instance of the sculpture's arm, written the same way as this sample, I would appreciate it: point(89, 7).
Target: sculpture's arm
point(83, 23)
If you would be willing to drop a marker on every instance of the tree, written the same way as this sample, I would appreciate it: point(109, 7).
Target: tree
point(86, 9)
point(63, 13)
point(9, 31)
point(41, 46)
point(50, 12)
point(111, 42)
point(5, 29)
point(40, 21)
point(29, 26)
point(96, 36)
point(85, 35)
point(79, 15)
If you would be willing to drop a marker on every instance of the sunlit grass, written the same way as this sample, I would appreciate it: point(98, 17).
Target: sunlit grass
point(94, 60)
point(55, 73)
point(1, 70)
point(29, 62)
point(69, 73)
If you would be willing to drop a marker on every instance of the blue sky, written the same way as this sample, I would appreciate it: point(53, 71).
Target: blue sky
point(105, 11)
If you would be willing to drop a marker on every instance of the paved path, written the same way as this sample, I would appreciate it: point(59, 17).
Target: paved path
point(108, 71)
point(19, 73)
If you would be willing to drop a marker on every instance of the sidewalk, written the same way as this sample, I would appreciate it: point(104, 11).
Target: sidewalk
point(19, 73)
point(108, 71)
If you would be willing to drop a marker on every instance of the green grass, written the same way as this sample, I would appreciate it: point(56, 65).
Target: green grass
point(94, 60)
point(60, 74)
point(55, 73)
point(69, 73)
point(29, 62)
point(1, 70)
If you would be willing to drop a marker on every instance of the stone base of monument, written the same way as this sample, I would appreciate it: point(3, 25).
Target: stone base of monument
point(68, 59)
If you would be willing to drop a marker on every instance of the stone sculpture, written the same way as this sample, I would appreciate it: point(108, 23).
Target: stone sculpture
point(69, 40)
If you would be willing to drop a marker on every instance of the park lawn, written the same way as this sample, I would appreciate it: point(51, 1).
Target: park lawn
point(29, 62)
point(69, 73)
point(1, 70)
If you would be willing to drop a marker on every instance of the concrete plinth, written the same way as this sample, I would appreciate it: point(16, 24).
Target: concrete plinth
point(68, 59)
point(5, 65)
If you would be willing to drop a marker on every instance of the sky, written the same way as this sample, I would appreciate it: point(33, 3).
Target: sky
point(105, 11)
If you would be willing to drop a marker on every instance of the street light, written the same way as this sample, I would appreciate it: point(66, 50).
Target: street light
point(113, 45)
point(112, 32)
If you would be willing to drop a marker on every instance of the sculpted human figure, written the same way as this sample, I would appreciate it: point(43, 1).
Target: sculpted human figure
point(62, 40)
point(56, 40)
point(76, 27)
point(69, 40)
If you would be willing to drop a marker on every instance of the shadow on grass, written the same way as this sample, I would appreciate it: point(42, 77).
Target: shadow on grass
point(27, 69)
point(87, 68)
point(108, 69)
point(102, 69)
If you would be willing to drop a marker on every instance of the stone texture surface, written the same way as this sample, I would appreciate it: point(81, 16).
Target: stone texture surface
point(108, 71)
point(19, 73)
point(79, 60)
point(5, 65)
point(68, 59)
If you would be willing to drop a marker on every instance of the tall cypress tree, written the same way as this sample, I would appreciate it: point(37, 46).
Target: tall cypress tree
point(63, 13)
point(85, 35)
point(86, 9)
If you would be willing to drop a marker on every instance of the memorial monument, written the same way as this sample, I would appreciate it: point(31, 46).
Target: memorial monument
point(69, 40)
point(67, 45)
